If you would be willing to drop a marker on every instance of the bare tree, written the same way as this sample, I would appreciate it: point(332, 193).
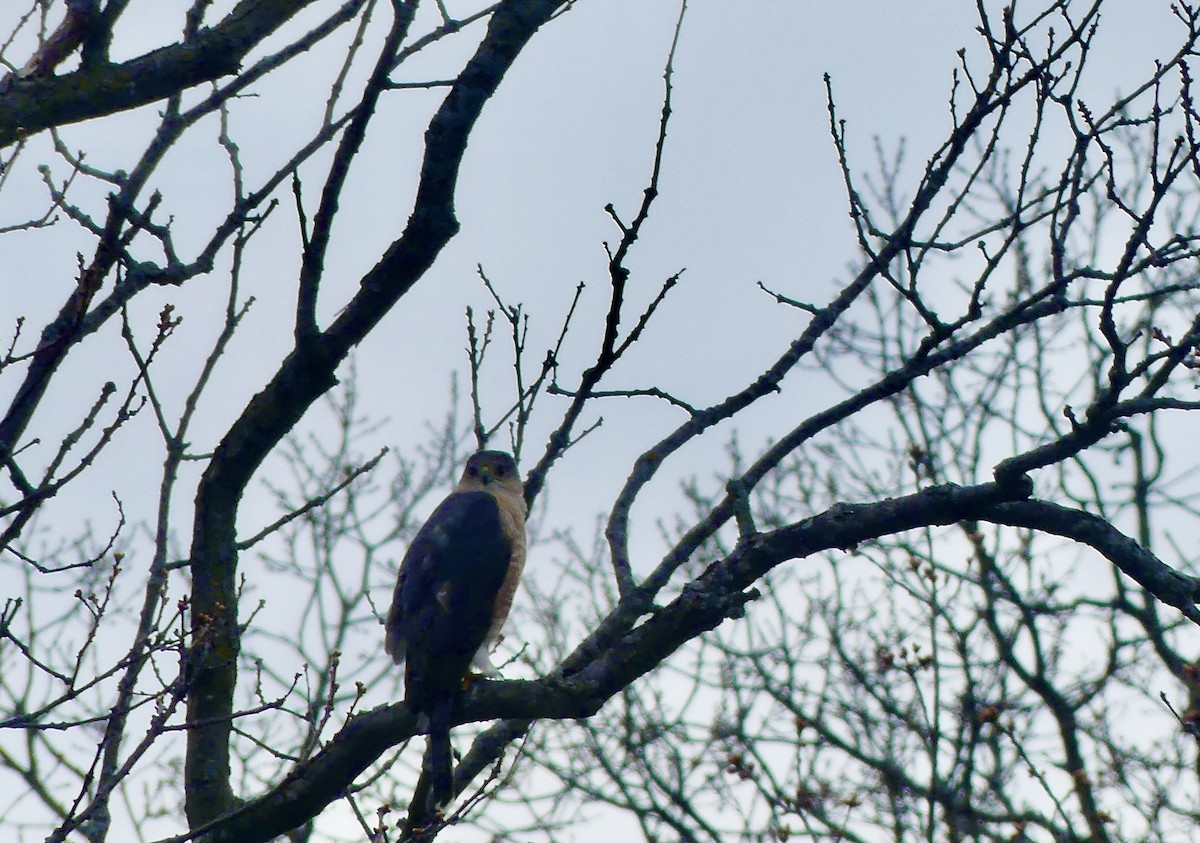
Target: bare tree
point(949, 573)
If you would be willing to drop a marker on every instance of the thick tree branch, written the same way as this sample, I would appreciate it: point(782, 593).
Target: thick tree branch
point(1165, 583)
point(33, 104)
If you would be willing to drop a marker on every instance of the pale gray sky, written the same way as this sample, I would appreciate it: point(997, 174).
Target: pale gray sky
point(750, 192)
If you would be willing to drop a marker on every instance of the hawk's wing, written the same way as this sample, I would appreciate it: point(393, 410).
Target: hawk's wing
point(445, 595)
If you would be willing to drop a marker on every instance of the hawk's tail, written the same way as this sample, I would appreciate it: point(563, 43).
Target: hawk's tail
point(435, 788)
point(439, 764)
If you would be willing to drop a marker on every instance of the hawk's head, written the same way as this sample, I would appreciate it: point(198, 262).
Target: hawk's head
point(491, 471)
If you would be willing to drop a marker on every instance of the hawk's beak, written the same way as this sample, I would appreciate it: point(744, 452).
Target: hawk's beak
point(486, 476)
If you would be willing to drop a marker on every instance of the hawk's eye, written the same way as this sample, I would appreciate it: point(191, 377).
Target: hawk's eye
point(499, 471)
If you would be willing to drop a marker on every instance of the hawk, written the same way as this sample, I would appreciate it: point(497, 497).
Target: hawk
point(453, 593)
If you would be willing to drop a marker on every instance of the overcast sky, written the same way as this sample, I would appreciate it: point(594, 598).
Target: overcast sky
point(751, 192)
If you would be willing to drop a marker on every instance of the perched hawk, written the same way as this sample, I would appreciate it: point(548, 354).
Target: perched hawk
point(454, 590)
